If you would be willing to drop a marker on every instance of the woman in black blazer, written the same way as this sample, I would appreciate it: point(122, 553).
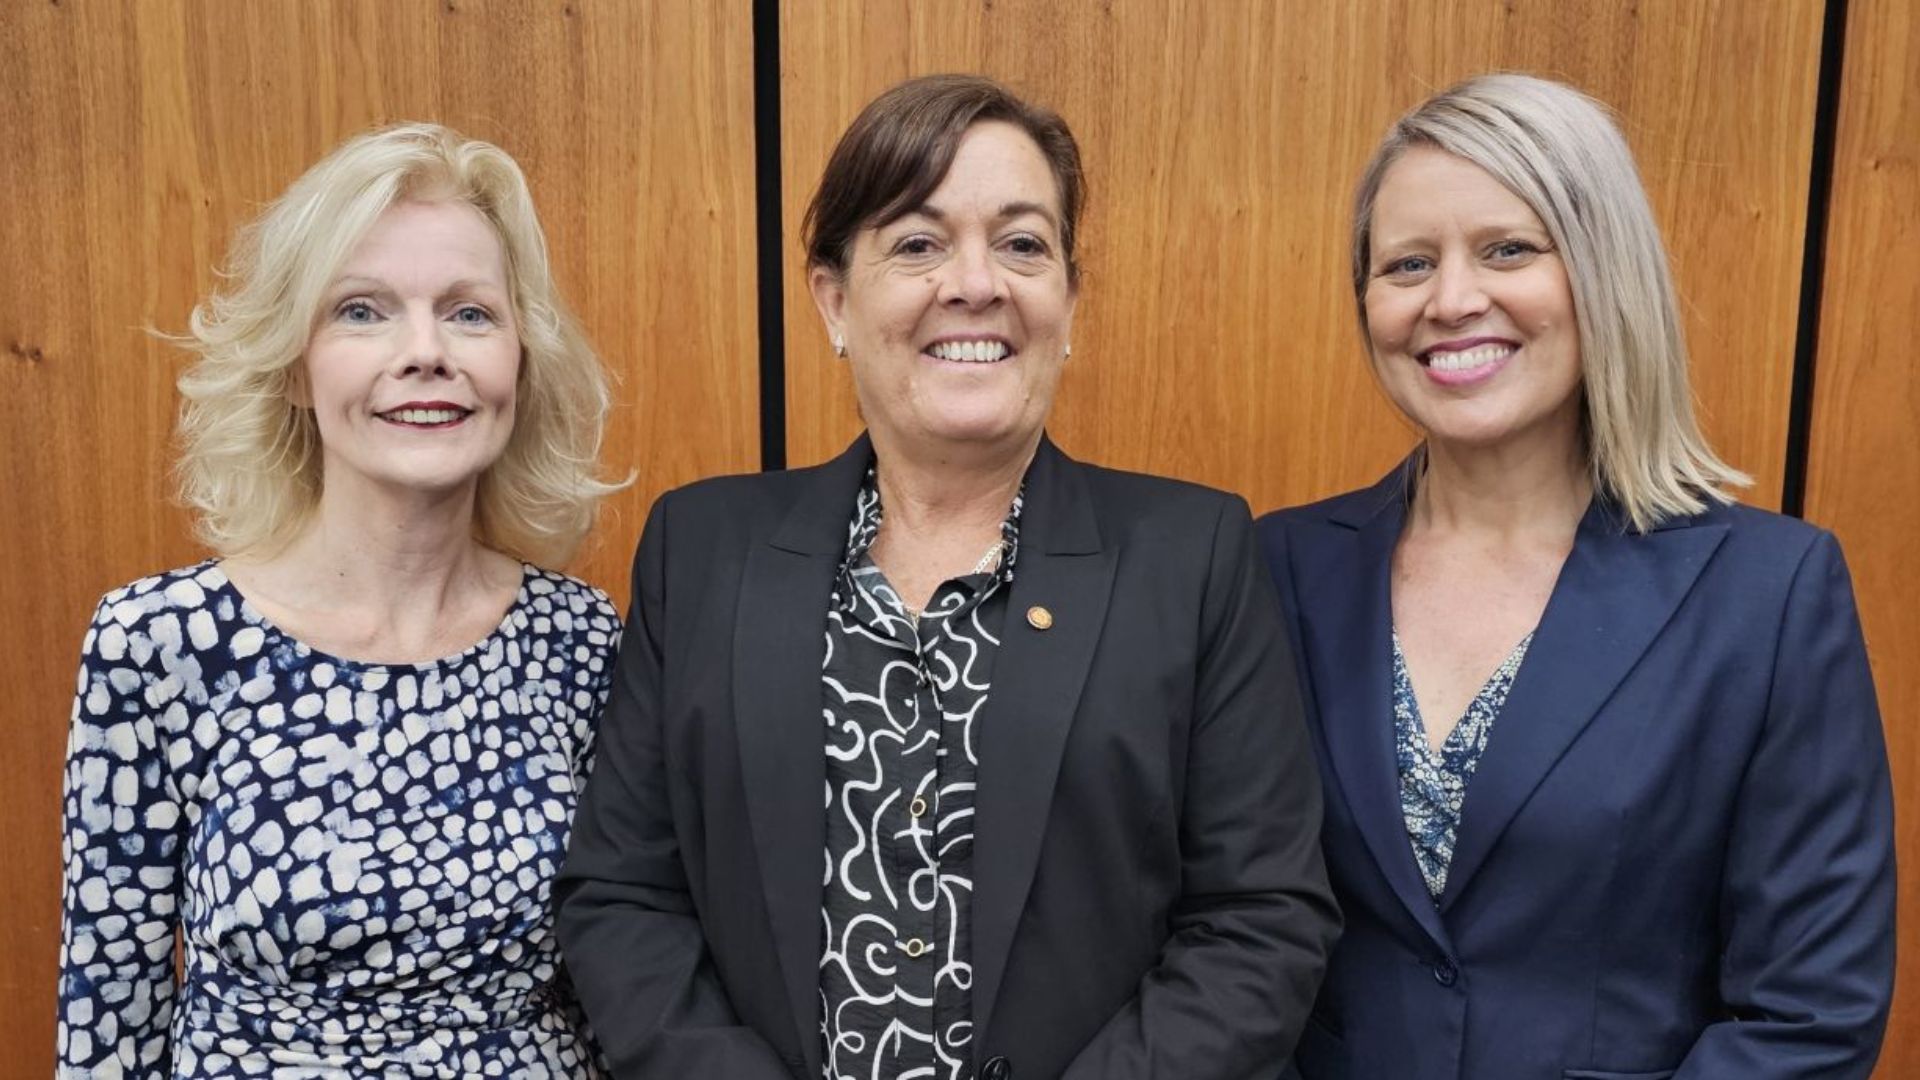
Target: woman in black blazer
point(1607, 796)
point(951, 756)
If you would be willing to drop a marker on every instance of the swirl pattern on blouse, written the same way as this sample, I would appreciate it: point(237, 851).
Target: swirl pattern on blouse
point(902, 695)
point(358, 857)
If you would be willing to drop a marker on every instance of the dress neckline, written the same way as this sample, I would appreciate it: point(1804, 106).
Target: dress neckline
point(511, 621)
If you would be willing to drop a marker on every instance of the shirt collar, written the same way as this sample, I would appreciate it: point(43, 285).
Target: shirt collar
point(864, 528)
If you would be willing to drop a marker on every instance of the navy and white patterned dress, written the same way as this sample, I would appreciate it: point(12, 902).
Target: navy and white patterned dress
point(359, 856)
point(1433, 783)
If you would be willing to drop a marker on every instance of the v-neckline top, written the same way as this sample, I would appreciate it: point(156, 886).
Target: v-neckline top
point(1433, 783)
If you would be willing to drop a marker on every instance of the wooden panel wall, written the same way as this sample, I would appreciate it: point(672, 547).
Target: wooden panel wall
point(138, 133)
point(1215, 337)
point(1215, 340)
point(1863, 474)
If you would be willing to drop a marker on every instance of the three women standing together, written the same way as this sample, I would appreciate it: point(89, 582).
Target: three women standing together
point(955, 757)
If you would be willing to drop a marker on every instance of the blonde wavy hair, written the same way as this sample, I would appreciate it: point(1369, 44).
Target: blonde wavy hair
point(1560, 152)
point(250, 466)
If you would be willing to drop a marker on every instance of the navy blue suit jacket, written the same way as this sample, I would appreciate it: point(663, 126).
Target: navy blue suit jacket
point(1676, 856)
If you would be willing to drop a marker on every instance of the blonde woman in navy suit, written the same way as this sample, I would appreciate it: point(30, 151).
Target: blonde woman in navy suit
point(1607, 795)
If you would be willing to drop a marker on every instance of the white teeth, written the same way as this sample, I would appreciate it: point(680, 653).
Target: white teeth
point(971, 352)
point(1468, 359)
point(425, 416)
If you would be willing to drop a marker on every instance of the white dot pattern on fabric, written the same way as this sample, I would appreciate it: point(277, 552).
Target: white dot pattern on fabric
point(359, 857)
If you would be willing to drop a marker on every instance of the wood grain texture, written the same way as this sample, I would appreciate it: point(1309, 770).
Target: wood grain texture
point(1863, 460)
point(139, 133)
point(1216, 338)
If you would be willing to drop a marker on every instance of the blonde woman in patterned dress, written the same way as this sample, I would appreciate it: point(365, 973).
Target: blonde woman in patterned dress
point(341, 760)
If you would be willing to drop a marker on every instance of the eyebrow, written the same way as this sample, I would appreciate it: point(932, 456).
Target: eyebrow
point(1007, 210)
point(1492, 228)
point(352, 282)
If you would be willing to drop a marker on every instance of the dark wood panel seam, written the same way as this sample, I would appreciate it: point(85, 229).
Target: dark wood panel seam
point(768, 234)
point(1813, 259)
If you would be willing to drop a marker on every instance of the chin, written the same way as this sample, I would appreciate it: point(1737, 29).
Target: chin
point(986, 424)
point(1491, 432)
point(980, 431)
point(434, 483)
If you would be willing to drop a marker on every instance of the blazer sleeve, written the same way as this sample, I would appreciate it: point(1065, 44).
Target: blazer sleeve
point(627, 923)
point(1252, 930)
point(1808, 894)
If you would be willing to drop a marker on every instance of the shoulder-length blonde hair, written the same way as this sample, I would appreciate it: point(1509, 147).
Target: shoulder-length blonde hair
point(250, 462)
point(1558, 150)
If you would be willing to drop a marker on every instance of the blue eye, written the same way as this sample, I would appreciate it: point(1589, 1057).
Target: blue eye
point(1512, 250)
point(356, 311)
point(472, 315)
point(1412, 264)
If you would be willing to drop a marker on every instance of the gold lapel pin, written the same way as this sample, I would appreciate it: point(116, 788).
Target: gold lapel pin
point(1039, 618)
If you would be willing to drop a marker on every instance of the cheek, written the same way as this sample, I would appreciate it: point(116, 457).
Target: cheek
point(1564, 332)
point(1553, 307)
point(874, 383)
point(326, 388)
point(1389, 328)
point(1384, 339)
point(886, 310)
point(499, 378)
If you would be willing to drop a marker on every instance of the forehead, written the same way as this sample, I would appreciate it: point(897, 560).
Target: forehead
point(421, 234)
point(1428, 189)
point(996, 162)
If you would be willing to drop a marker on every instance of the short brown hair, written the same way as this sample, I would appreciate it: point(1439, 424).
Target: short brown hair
point(900, 147)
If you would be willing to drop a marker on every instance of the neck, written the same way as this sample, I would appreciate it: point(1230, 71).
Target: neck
point(372, 548)
point(934, 490)
point(1509, 489)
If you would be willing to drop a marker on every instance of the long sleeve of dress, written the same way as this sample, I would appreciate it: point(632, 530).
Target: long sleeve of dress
point(121, 851)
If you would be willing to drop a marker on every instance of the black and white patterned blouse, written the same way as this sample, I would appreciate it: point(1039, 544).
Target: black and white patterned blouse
point(1433, 784)
point(359, 856)
point(900, 697)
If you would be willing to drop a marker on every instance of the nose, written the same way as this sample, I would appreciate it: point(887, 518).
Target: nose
point(422, 347)
point(971, 279)
point(1458, 295)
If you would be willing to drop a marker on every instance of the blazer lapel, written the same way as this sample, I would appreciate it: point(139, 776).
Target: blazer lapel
point(1037, 680)
point(778, 648)
point(1616, 592)
point(1347, 622)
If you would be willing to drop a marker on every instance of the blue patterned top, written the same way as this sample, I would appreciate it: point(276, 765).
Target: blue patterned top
point(1434, 784)
point(359, 857)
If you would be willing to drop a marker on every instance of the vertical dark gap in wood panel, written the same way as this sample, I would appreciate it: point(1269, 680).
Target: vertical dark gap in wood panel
point(768, 234)
point(1826, 118)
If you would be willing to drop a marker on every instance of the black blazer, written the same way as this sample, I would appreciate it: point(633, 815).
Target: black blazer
point(1675, 859)
point(1149, 899)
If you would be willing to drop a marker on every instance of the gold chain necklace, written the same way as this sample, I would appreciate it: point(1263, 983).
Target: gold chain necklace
point(987, 564)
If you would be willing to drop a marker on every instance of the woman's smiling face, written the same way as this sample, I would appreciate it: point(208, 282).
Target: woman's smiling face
point(1470, 316)
point(956, 316)
point(412, 368)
